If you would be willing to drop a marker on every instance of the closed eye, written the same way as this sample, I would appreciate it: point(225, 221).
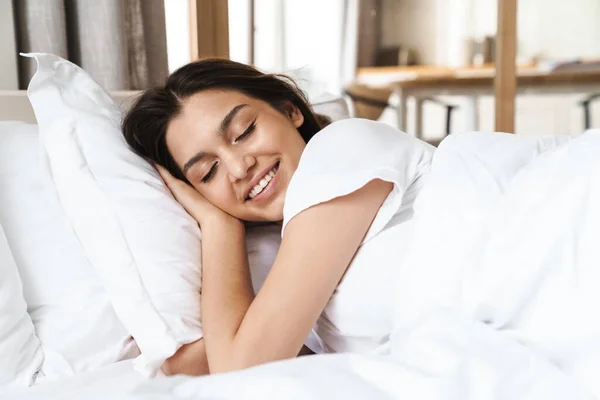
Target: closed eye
point(210, 173)
point(247, 132)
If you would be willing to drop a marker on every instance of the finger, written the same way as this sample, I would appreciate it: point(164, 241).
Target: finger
point(161, 170)
point(176, 186)
point(164, 174)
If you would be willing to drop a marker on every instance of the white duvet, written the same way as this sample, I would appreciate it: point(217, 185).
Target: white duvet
point(512, 225)
point(498, 297)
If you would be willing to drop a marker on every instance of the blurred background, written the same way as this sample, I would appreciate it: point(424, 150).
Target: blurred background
point(425, 66)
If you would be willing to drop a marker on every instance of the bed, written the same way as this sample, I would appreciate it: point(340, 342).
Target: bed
point(517, 326)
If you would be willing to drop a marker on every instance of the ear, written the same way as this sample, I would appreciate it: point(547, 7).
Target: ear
point(294, 114)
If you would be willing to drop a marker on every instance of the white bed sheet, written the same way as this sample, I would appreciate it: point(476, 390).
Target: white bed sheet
point(104, 383)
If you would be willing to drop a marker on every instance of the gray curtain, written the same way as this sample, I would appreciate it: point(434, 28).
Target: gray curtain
point(40, 26)
point(122, 44)
point(9, 79)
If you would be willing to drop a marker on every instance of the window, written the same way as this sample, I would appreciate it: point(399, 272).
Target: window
point(303, 39)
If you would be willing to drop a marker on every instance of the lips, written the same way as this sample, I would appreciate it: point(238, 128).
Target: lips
point(260, 182)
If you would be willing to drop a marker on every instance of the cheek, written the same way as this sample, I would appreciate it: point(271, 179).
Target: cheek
point(286, 142)
point(274, 132)
point(266, 141)
point(294, 147)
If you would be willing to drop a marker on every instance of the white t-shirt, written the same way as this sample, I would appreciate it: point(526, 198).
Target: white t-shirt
point(339, 160)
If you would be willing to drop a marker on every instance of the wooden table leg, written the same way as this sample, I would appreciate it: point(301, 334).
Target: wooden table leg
point(505, 82)
point(401, 109)
point(418, 118)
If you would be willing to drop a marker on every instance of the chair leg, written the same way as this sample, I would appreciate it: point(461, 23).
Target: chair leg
point(449, 110)
point(586, 115)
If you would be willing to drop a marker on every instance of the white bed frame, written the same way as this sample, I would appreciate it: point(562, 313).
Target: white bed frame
point(14, 104)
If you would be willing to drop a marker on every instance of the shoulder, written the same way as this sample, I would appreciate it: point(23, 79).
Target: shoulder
point(357, 143)
point(347, 155)
point(358, 131)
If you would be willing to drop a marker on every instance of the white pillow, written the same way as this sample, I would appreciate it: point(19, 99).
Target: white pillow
point(20, 351)
point(334, 107)
point(67, 302)
point(141, 241)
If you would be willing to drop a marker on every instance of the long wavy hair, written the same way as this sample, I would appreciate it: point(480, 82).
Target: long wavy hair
point(145, 124)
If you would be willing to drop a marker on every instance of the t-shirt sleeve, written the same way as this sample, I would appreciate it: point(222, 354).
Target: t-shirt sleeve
point(347, 155)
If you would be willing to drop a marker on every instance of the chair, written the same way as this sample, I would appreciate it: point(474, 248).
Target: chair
point(383, 104)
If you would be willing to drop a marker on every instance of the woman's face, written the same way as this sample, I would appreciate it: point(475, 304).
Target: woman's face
point(238, 152)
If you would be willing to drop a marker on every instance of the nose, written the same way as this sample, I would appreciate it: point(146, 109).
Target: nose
point(238, 166)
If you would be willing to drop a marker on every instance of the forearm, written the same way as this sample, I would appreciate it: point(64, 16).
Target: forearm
point(226, 288)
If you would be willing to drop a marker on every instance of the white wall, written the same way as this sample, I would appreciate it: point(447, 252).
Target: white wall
point(549, 28)
point(266, 53)
point(306, 44)
point(177, 22)
point(239, 26)
point(560, 29)
point(313, 43)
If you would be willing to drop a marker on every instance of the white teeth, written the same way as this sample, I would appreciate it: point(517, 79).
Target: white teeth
point(262, 183)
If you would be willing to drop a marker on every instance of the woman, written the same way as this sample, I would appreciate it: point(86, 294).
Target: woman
point(235, 145)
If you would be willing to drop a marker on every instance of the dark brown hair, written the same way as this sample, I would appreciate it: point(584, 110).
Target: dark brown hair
point(145, 125)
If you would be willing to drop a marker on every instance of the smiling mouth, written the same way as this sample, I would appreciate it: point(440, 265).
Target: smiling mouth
point(263, 183)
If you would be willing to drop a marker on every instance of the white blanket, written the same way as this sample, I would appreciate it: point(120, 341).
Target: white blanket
point(498, 296)
point(104, 383)
point(508, 234)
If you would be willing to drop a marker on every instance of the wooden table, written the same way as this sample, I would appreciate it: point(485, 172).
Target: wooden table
point(421, 82)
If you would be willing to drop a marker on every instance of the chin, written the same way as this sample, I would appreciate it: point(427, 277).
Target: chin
point(264, 219)
point(267, 216)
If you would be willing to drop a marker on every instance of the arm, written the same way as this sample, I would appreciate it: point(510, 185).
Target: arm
point(308, 267)
point(191, 359)
point(318, 245)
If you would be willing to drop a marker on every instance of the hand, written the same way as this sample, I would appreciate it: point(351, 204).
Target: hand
point(192, 201)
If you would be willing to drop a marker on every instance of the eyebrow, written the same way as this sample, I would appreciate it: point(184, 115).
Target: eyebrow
point(222, 129)
point(195, 158)
point(229, 117)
